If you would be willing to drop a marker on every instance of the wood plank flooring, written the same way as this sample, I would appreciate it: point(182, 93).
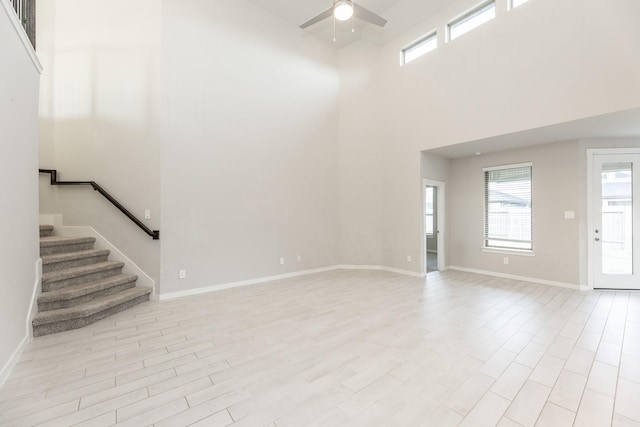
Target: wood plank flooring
point(352, 348)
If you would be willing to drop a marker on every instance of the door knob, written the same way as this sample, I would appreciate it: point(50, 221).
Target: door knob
point(597, 239)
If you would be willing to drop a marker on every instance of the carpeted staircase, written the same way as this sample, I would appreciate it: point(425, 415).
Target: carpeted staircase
point(80, 285)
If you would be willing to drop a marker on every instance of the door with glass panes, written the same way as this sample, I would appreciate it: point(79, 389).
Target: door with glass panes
point(615, 225)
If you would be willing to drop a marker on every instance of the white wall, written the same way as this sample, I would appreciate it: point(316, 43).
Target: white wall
point(99, 116)
point(249, 146)
point(18, 186)
point(360, 156)
point(543, 63)
point(555, 188)
point(269, 144)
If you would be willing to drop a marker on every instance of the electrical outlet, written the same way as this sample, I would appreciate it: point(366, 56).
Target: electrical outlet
point(182, 274)
point(147, 214)
point(299, 258)
point(281, 261)
point(408, 258)
point(505, 260)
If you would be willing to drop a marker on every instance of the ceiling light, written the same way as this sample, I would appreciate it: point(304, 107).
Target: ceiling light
point(343, 10)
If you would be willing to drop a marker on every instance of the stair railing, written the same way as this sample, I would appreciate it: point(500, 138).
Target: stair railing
point(155, 234)
point(26, 11)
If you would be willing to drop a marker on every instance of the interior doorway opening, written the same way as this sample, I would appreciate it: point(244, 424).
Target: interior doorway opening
point(431, 227)
point(433, 241)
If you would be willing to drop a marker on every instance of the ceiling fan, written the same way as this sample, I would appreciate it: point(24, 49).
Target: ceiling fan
point(345, 9)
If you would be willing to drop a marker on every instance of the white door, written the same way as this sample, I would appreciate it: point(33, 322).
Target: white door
point(615, 233)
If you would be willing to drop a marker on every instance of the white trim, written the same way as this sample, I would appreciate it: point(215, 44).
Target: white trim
point(511, 6)
point(130, 267)
point(521, 278)
point(629, 150)
point(591, 214)
point(469, 13)
point(33, 309)
point(15, 356)
point(223, 286)
point(359, 267)
point(22, 34)
point(405, 272)
point(33, 306)
point(513, 166)
point(590, 218)
point(593, 266)
point(381, 268)
point(515, 252)
point(441, 225)
point(433, 35)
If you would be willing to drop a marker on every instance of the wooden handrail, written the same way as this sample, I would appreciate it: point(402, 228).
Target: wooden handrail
point(155, 234)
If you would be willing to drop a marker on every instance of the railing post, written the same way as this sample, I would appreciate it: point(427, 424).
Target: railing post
point(26, 12)
point(29, 21)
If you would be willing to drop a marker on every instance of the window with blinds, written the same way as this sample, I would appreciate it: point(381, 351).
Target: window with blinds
point(507, 195)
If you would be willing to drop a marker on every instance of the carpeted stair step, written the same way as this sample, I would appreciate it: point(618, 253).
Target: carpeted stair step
point(73, 276)
point(60, 244)
point(79, 294)
point(66, 260)
point(49, 322)
point(46, 230)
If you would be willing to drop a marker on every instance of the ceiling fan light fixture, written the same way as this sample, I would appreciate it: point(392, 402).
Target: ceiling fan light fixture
point(343, 10)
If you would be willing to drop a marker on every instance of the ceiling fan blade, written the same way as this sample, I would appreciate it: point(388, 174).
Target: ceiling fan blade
point(324, 15)
point(366, 15)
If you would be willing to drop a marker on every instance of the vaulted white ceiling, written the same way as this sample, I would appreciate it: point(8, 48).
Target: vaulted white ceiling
point(400, 14)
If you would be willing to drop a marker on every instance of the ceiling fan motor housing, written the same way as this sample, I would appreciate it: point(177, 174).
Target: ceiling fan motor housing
point(343, 10)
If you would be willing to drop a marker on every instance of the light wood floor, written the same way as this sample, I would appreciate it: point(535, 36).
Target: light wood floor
point(355, 348)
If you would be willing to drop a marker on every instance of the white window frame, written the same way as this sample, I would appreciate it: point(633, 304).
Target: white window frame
point(433, 211)
point(468, 16)
point(485, 239)
point(416, 45)
point(515, 3)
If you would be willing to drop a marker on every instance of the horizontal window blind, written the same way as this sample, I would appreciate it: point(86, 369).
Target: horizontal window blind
point(508, 207)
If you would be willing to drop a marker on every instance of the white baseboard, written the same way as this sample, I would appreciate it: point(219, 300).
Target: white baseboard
point(33, 309)
point(382, 268)
point(33, 306)
point(405, 272)
point(130, 267)
point(220, 287)
point(15, 356)
point(521, 278)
